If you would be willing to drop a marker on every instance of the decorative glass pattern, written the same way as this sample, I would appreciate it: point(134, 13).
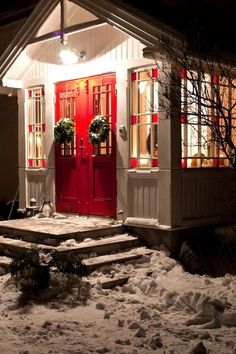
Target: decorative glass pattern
point(36, 127)
point(68, 110)
point(102, 106)
point(200, 121)
point(144, 118)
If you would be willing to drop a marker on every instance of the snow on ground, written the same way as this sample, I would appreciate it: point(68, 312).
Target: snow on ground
point(161, 309)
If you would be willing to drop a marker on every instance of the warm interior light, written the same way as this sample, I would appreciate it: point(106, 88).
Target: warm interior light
point(142, 86)
point(68, 56)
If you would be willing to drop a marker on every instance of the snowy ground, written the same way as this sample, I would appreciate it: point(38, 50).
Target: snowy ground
point(161, 309)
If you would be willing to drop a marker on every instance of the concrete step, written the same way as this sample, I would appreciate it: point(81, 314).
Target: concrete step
point(109, 283)
point(121, 257)
point(13, 248)
point(5, 262)
point(103, 245)
point(53, 231)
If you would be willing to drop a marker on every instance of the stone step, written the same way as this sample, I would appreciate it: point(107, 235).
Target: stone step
point(13, 248)
point(102, 246)
point(109, 283)
point(5, 261)
point(121, 257)
point(53, 231)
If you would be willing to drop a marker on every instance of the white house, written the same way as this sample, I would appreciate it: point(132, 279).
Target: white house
point(136, 174)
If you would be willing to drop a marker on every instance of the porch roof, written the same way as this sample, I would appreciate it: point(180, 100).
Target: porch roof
point(132, 24)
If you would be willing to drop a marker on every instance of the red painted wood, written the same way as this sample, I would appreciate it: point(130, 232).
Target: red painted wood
point(86, 182)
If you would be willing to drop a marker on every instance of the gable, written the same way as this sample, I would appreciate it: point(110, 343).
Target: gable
point(46, 17)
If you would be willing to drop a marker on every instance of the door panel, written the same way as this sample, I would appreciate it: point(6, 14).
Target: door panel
point(86, 174)
point(65, 156)
point(103, 157)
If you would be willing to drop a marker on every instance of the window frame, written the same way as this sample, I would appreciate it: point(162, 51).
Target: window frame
point(136, 117)
point(35, 128)
point(214, 158)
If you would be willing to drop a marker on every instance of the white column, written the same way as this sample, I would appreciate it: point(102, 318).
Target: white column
point(170, 173)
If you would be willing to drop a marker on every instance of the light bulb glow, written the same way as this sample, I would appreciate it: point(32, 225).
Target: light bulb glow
point(68, 57)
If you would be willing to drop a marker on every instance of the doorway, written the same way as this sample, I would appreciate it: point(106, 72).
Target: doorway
point(86, 173)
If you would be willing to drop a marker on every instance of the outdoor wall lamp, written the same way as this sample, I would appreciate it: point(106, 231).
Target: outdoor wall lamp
point(68, 55)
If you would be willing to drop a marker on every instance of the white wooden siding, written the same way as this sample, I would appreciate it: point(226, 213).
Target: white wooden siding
point(105, 47)
point(143, 195)
point(40, 186)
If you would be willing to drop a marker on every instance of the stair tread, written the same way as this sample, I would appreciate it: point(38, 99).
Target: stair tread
point(119, 239)
point(21, 244)
point(118, 257)
point(5, 261)
point(108, 282)
point(56, 228)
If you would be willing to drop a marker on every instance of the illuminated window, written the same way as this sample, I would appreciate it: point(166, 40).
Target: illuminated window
point(144, 118)
point(204, 124)
point(36, 127)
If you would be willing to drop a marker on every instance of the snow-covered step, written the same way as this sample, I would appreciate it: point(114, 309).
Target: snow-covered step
point(11, 247)
point(109, 283)
point(51, 231)
point(121, 257)
point(102, 246)
point(5, 262)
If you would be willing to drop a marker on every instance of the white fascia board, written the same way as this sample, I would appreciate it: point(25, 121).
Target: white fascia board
point(28, 30)
point(12, 83)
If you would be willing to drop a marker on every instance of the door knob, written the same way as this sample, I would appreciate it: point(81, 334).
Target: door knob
point(81, 146)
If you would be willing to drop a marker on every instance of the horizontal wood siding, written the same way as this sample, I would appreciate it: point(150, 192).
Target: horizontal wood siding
point(143, 196)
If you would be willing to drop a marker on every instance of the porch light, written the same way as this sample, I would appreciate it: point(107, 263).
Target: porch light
point(68, 55)
point(71, 56)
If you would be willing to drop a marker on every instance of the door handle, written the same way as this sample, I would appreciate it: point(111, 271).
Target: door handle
point(81, 146)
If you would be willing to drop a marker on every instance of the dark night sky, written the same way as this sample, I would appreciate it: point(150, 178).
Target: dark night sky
point(212, 20)
point(11, 10)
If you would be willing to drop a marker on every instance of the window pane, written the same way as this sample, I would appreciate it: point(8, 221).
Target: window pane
point(155, 96)
point(143, 118)
point(134, 98)
point(145, 75)
point(134, 144)
point(144, 141)
point(144, 97)
point(36, 128)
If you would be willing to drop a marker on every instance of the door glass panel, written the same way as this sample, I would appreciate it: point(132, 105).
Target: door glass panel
point(68, 110)
point(102, 106)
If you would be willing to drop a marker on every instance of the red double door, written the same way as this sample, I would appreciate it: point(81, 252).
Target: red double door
point(86, 173)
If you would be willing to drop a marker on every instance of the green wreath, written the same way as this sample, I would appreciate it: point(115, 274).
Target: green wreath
point(64, 131)
point(98, 130)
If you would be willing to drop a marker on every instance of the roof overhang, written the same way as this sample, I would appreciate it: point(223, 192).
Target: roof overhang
point(27, 32)
point(105, 10)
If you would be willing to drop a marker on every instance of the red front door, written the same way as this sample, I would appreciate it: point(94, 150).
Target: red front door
point(86, 173)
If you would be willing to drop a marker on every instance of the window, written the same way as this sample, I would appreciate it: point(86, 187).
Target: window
point(67, 109)
point(144, 118)
point(204, 124)
point(36, 127)
point(102, 102)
